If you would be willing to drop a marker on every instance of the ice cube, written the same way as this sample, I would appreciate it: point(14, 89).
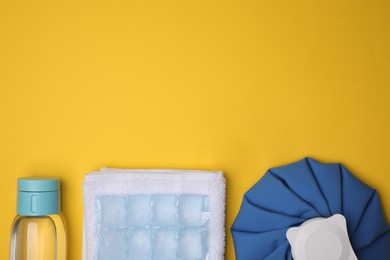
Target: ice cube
point(140, 244)
point(113, 245)
point(138, 210)
point(190, 244)
point(165, 244)
point(164, 210)
point(113, 211)
point(191, 208)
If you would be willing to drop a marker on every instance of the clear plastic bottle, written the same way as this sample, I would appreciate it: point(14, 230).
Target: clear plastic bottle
point(38, 231)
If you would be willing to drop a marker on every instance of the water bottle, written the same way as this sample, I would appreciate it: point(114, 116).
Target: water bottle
point(38, 231)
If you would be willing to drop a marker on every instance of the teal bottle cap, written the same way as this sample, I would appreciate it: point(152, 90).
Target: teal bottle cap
point(38, 196)
point(38, 184)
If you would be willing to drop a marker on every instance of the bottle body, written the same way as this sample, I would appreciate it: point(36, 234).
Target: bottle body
point(38, 238)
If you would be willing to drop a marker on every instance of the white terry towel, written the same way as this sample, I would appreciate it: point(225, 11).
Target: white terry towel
point(122, 182)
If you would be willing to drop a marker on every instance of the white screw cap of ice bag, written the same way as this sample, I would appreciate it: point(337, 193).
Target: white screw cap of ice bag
point(321, 239)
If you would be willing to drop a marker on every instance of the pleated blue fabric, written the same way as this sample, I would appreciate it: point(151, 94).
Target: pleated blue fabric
point(289, 195)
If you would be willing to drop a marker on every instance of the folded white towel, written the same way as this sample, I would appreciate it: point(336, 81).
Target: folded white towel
point(107, 189)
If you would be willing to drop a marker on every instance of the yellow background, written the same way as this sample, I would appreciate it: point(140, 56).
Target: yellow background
point(238, 86)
